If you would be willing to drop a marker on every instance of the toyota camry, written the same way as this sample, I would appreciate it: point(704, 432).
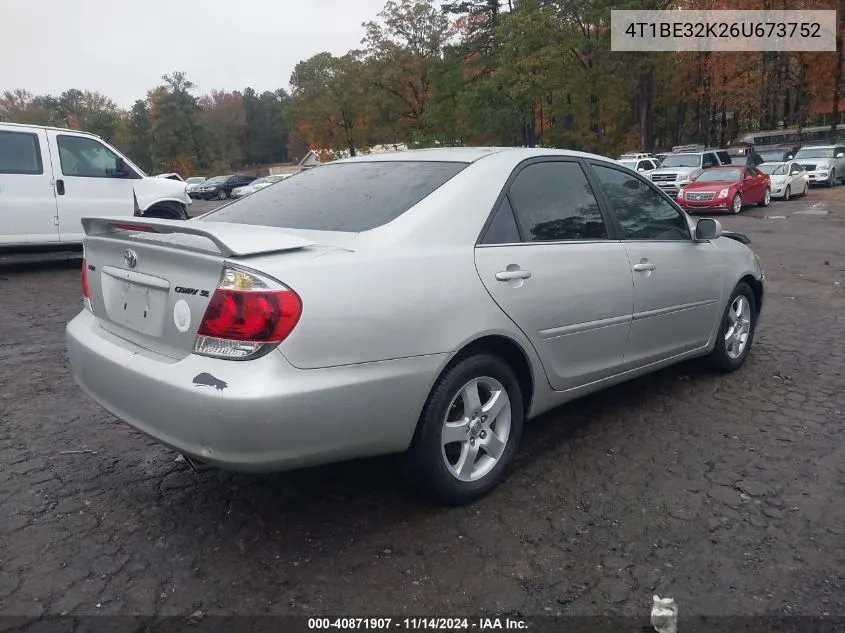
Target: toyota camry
point(426, 303)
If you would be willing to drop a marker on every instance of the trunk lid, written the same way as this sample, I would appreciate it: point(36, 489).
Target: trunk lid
point(151, 281)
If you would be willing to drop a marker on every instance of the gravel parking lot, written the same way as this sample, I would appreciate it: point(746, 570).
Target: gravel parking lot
point(724, 492)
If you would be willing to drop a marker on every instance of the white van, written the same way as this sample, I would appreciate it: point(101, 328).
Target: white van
point(52, 177)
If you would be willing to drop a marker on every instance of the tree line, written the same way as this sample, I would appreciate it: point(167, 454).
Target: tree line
point(467, 72)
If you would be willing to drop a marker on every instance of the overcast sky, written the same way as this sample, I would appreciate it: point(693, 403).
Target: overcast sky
point(122, 48)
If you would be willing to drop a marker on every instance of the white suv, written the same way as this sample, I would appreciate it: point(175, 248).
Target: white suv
point(825, 164)
point(52, 177)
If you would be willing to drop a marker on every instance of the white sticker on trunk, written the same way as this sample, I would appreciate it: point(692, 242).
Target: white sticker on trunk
point(182, 315)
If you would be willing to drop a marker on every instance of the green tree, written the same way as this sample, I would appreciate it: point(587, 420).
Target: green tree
point(404, 55)
point(175, 130)
point(327, 100)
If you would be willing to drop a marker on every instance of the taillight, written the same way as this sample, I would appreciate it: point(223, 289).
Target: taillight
point(130, 226)
point(247, 314)
point(86, 292)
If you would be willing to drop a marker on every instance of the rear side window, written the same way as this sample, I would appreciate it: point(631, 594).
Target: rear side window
point(349, 197)
point(20, 153)
point(554, 202)
point(502, 229)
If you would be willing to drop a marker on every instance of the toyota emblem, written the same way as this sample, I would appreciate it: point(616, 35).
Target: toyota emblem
point(131, 258)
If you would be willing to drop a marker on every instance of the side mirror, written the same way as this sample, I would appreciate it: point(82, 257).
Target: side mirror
point(708, 229)
point(641, 169)
point(789, 157)
point(840, 155)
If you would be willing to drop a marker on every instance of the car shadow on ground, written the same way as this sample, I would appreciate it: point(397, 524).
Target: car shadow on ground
point(36, 262)
point(373, 491)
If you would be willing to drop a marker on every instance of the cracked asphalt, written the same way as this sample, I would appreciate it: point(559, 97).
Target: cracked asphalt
point(723, 492)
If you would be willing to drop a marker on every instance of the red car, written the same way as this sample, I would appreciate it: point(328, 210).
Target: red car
point(726, 189)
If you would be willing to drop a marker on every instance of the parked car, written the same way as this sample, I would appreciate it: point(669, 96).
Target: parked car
point(660, 157)
point(323, 330)
point(726, 189)
point(192, 185)
point(678, 170)
point(221, 187)
point(744, 156)
point(644, 165)
point(787, 179)
point(260, 183)
point(825, 164)
point(270, 180)
point(245, 190)
point(51, 177)
point(778, 154)
point(634, 156)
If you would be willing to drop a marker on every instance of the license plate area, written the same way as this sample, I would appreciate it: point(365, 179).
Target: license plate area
point(135, 301)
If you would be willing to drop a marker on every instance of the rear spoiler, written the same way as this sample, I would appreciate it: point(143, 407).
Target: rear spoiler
point(231, 239)
point(739, 237)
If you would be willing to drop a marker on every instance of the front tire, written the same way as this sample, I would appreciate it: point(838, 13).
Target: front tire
point(222, 195)
point(787, 194)
point(736, 204)
point(468, 432)
point(736, 333)
point(767, 198)
point(831, 181)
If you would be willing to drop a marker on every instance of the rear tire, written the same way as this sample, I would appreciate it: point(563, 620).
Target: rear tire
point(806, 190)
point(736, 332)
point(463, 447)
point(767, 198)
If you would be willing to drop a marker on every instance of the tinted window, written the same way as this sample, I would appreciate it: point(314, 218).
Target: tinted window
point(554, 201)
point(86, 157)
point(341, 197)
point(502, 229)
point(643, 213)
point(709, 161)
point(20, 153)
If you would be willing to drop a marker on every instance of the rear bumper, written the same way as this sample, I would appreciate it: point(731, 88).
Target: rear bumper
point(269, 416)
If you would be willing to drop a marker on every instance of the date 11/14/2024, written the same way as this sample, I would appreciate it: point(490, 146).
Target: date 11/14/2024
point(418, 623)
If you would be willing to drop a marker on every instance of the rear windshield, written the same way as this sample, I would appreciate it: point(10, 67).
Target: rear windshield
point(682, 160)
point(349, 197)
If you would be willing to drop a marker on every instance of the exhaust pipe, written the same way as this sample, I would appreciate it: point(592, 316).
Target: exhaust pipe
point(195, 465)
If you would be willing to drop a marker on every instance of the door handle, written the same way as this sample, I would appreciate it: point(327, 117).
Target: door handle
point(60, 187)
point(644, 265)
point(507, 275)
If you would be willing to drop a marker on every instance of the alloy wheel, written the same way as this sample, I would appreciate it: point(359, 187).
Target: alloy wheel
point(739, 327)
point(476, 429)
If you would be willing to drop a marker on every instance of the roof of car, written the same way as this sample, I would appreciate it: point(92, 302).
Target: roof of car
point(725, 167)
point(50, 127)
point(467, 154)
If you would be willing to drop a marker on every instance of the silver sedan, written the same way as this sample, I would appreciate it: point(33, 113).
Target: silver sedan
point(425, 303)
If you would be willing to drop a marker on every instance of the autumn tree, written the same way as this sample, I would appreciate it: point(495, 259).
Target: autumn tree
point(404, 52)
point(327, 100)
